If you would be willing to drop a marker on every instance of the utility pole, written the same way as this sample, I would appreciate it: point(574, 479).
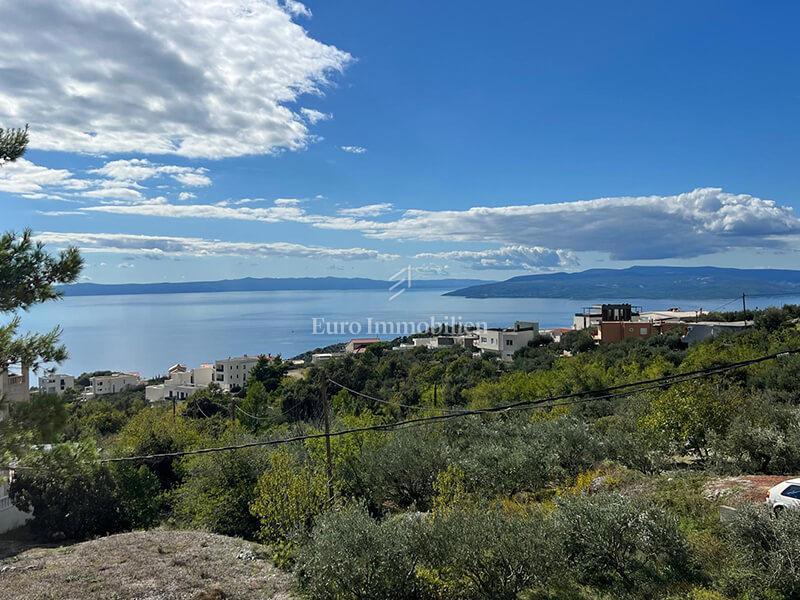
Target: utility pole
point(326, 414)
point(435, 395)
point(174, 406)
point(232, 408)
point(744, 309)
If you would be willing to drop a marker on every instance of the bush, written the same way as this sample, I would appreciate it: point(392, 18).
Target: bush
point(72, 496)
point(218, 489)
point(156, 431)
point(352, 556)
point(401, 473)
point(287, 497)
point(768, 548)
point(620, 544)
point(484, 552)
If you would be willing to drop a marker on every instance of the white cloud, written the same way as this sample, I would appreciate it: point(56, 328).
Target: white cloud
point(354, 149)
point(314, 116)
point(141, 169)
point(704, 221)
point(529, 258)
point(297, 8)
point(115, 193)
point(165, 246)
point(59, 213)
point(222, 210)
point(186, 196)
point(370, 210)
point(196, 79)
point(432, 269)
point(30, 180)
point(695, 223)
point(126, 266)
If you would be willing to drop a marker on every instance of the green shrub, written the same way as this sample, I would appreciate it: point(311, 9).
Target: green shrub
point(483, 552)
point(287, 497)
point(768, 549)
point(616, 543)
point(350, 556)
point(218, 489)
point(402, 472)
point(71, 495)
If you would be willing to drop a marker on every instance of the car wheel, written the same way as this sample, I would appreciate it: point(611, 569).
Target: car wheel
point(778, 509)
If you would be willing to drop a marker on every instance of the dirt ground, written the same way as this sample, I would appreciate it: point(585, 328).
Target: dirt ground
point(151, 565)
point(743, 488)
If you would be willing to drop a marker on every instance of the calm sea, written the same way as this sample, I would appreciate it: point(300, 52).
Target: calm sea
point(148, 333)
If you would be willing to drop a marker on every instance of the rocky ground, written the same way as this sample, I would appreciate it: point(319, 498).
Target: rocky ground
point(151, 565)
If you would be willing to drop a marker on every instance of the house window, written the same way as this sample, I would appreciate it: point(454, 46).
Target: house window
point(643, 331)
point(509, 342)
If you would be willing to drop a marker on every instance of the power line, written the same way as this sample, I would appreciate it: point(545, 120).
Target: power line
point(548, 402)
point(389, 402)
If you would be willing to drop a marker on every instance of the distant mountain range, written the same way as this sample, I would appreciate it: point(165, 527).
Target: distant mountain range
point(689, 283)
point(250, 284)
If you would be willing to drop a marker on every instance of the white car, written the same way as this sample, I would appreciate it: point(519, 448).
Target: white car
point(784, 495)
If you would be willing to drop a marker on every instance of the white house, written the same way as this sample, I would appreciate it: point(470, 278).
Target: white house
point(10, 516)
point(100, 385)
point(232, 372)
point(181, 383)
point(56, 383)
point(14, 387)
point(506, 341)
point(441, 341)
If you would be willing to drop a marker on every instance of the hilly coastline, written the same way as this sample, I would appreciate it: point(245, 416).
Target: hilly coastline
point(690, 283)
point(265, 284)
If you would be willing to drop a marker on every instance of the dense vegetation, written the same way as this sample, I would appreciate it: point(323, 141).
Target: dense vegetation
point(604, 498)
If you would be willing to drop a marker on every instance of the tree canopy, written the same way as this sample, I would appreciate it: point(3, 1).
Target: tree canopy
point(13, 143)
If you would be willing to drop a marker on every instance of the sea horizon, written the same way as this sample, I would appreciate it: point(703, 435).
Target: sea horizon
point(147, 333)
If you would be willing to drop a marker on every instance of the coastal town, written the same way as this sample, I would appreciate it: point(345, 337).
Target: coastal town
point(607, 323)
point(399, 300)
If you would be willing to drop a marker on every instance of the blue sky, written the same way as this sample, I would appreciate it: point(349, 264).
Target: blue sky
point(244, 138)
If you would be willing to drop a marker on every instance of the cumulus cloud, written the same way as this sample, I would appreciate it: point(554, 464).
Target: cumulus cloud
point(172, 246)
point(141, 169)
point(30, 180)
point(196, 79)
point(529, 258)
point(118, 180)
point(370, 210)
point(297, 8)
point(186, 196)
point(354, 149)
point(115, 193)
point(702, 221)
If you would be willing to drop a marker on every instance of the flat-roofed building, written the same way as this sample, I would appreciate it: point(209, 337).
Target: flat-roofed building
point(506, 341)
point(232, 372)
point(100, 385)
point(56, 383)
point(181, 383)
